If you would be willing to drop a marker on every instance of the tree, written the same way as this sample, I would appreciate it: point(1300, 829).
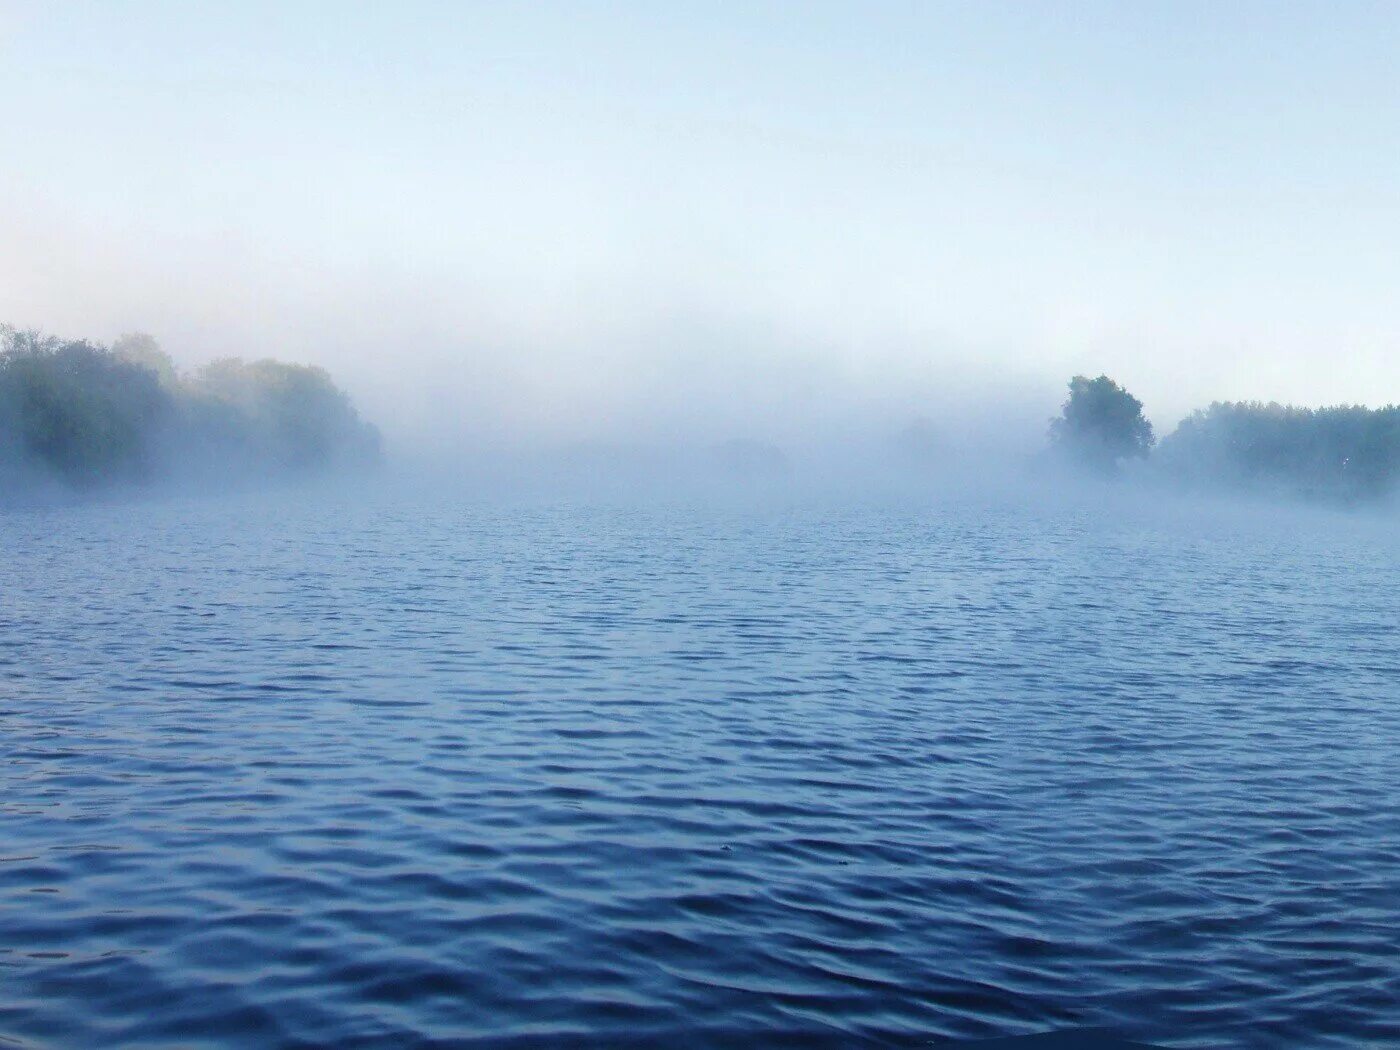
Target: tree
point(142, 349)
point(1345, 452)
point(1101, 424)
point(87, 414)
point(293, 416)
point(77, 409)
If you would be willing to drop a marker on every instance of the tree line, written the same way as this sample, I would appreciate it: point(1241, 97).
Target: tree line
point(87, 415)
point(1345, 452)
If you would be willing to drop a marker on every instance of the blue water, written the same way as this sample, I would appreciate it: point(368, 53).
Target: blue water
point(387, 771)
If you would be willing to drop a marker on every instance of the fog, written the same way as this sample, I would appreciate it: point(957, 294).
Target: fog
point(516, 233)
point(84, 417)
point(455, 385)
point(455, 378)
point(777, 247)
point(627, 523)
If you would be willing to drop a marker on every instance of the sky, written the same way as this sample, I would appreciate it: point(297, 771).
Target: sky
point(507, 222)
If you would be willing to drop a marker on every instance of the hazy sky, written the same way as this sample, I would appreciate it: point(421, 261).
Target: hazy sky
point(575, 218)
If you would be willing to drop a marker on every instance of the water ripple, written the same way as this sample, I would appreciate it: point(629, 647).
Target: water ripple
point(293, 773)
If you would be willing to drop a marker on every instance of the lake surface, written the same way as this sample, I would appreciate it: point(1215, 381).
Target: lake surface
point(386, 771)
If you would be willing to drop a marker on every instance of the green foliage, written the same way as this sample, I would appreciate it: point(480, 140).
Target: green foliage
point(1101, 424)
point(78, 409)
point(1347, 451)
point(299, 420)
point(89, 414)
point(142, 349)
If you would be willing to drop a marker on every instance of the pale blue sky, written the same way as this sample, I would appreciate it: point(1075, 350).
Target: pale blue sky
point(575, 217)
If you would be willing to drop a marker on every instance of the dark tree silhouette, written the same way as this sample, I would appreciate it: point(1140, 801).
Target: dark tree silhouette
point(78, 410)
point(87, 414)
point(1100, 425)
point(1345, 452)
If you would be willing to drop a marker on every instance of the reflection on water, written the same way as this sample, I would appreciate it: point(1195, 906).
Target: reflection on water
point(393, 773)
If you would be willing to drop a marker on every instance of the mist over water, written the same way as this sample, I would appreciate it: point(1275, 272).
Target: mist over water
point(647, 525)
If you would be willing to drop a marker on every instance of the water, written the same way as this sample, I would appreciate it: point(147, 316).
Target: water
point(389, 772)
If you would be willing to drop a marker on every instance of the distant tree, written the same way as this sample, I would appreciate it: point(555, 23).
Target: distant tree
point(87, 414)
point(1100, 425)
point(1345, 452)
point(76, 409)
point(142, 349)
point(296, 416)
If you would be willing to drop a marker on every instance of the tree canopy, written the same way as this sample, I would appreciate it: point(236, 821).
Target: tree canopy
point(1101, 424)
point(1346, 451)
point(78, 409)
point(1339, 453)
point(87, 414)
